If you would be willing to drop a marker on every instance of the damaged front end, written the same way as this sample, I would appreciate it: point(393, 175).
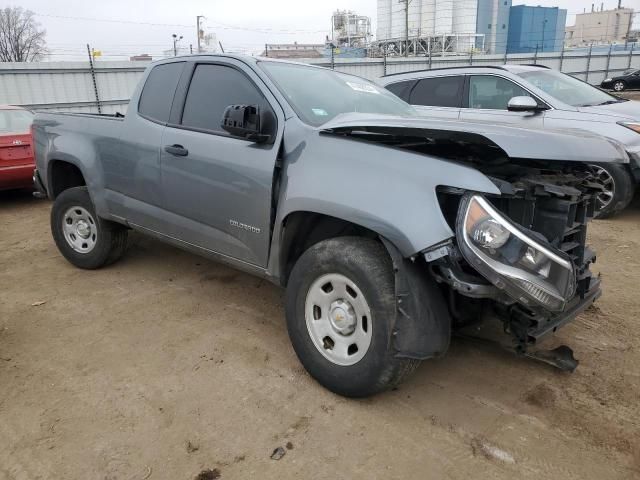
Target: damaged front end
point(520, 267)
point(517, 268)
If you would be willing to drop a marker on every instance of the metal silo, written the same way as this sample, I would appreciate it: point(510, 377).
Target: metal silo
point(446, 26)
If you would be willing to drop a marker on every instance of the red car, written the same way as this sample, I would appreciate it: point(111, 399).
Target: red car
point(16, 151)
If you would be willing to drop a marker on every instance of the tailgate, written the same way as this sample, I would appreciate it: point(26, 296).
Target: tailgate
point(15, 150)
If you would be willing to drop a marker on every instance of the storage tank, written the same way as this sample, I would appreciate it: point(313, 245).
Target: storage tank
point(426, 17)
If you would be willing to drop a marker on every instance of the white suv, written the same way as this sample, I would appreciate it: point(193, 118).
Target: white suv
point(532, 96)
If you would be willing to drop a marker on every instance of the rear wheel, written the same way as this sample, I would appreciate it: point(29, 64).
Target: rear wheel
point(340, 314)
point(619, 86)
point(83, 238)
point(617, 188)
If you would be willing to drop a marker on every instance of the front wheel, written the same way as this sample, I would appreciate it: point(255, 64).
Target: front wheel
point(619, 86)
point(340, 310)
point(617, 188)
point(84, 239)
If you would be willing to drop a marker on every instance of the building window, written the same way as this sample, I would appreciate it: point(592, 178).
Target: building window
point(489, 26)
point(504, 26)
point(505, 2)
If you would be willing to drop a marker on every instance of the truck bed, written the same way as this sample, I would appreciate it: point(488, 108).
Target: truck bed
point(80, 138)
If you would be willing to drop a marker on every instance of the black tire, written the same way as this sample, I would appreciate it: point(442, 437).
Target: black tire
point(623, 189)
point(110, 238)
point(367, 264)
point(620, 84)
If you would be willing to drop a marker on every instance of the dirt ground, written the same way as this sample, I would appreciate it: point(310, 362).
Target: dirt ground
point(166, 365)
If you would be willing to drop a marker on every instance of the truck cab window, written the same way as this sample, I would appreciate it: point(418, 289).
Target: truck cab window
point(438, 92)
point(154, 103)
point(213, 88)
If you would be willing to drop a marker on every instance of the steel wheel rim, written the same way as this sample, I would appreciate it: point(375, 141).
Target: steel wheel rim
point(604, 179)
point(618, 86)
point(80, 229)
point(338, 319)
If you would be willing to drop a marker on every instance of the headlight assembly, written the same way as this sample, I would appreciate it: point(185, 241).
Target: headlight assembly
point(528, 269)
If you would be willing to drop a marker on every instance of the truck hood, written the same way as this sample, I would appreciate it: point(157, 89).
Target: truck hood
point(517, 142)
point(629, 110)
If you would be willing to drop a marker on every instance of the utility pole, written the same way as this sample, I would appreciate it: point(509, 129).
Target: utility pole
point(93, 78)
point(198, 30)
point(406, 25)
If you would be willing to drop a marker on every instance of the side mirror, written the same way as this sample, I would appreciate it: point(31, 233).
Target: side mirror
point(523, 104)
point(244, 121)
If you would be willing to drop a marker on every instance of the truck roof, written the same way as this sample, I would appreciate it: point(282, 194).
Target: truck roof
point(242, 58)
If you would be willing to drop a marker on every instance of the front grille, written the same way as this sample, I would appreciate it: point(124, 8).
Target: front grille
point(566, 221)
point(558, 207)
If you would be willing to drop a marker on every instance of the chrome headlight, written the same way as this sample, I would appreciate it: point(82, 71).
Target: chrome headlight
point(608, 80)
point(529, 270)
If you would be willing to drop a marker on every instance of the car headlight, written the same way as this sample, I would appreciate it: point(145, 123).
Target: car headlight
point(608, 80)
point(635, 126)
point(527, 269)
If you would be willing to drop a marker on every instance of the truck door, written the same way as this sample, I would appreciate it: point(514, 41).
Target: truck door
point(486, 100)
point(132, 176)
point(217, 188)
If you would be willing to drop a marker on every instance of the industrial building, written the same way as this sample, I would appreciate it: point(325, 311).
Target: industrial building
point(536, 29)
point(600, 27)
point(350, 37)
point(442, 26)
point(348, 29)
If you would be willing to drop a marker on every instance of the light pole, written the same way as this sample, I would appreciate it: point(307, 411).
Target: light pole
point(544, 24)
point(176, 39)
point(199, 32)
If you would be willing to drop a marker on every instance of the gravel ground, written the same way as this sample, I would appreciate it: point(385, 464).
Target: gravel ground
point(167, 366)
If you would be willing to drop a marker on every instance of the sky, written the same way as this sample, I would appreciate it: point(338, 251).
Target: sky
point(240, 25)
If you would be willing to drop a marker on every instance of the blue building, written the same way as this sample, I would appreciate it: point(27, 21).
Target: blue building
point(536, 29)
point(493, 21)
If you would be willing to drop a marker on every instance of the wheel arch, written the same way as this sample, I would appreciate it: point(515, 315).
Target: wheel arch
point(300, 230)
point(62, 175)
point(422, 328)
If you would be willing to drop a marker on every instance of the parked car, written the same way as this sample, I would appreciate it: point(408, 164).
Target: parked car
point(387, 230)
point(532, 96)
point(629, 79)
point(16, 155)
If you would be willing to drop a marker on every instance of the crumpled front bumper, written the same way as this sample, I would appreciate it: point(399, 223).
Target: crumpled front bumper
point(530, 328)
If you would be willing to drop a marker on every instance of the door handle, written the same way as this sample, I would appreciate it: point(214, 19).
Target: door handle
point(177, 150)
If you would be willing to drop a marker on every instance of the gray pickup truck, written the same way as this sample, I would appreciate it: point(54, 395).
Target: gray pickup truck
point(388, 230)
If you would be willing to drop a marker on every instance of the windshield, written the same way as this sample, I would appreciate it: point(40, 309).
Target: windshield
point(568, 89)
point(317, 95)
point(15, 121)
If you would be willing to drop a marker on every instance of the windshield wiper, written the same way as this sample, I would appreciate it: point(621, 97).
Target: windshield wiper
point(608, 102)
point(611, 102)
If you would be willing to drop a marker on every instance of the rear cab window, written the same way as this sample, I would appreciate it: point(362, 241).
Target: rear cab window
point(158, 91)
point(438, 92)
